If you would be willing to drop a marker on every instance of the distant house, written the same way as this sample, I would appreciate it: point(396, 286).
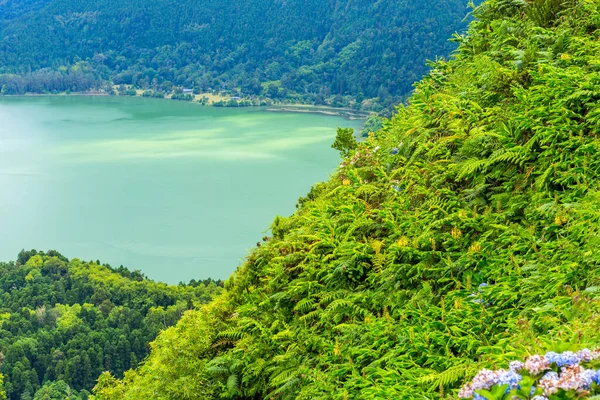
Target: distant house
point(236, 98)
point(188, 91)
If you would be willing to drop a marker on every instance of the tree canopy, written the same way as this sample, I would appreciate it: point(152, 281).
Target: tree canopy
point(63, 323)
point(312, 50)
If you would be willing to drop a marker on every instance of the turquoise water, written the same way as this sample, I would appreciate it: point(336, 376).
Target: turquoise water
point(174, 189)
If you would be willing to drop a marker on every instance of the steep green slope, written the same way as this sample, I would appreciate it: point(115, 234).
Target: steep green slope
point(307, 50)
point(463, 234)
point(63, 323)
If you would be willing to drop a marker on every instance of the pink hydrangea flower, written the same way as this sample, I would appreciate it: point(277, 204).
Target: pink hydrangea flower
point(516, 366)
point(549, 383)
point(585, 355)
point(484, 379)
point(571, 378)
point(536, 364)
point(466, 392)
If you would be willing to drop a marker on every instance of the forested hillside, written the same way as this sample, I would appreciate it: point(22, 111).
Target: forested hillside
point(308, 50)
point(63, 323)
point(464, 234)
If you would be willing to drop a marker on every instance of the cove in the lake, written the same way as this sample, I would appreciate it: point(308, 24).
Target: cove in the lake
point(174, 189)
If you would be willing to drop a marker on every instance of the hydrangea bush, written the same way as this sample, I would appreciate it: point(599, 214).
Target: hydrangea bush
point(553, 376)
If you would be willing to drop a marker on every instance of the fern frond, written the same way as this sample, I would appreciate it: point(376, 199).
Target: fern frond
point(511, 156)
point(445, 378)
point(542, 180)
point(310, 316)
point(284, 376)
point(231, 333)
point(306, 304)
point(471, 166)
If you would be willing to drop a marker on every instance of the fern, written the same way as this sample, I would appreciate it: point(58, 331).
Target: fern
point(231, 334)
point(495, 182)
point(470, 167)
point(305, 305)
point(445, 378)
point(542, 181)
point(511, 156)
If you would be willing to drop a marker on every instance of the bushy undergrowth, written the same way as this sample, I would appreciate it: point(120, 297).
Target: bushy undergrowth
point(372, 289)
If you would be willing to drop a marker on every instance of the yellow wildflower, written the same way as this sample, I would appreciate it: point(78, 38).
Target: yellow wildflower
point(560, 220)
point(456, 233)
point(402, 242)
point(475, 248)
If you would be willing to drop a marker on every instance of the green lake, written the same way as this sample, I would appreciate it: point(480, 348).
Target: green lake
point(174, 189)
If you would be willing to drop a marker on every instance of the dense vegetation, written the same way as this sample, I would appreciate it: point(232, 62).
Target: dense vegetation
point(309, 51)
point(63, 323)
point(463, 234)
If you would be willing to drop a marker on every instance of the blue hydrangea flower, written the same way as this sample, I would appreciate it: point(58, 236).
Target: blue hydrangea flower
point(596, 377)
point(562, 359)
point(551, 357)
point(568, 358)
point(478, 397)
point(552, 375)
point(510, 378)
point(587, 378)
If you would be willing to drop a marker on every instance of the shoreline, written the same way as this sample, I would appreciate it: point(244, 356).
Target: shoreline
point(323, 110)
point(292, 107)
point(99, 94)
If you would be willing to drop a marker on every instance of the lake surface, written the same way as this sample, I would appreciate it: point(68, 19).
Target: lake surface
point(174, 189)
